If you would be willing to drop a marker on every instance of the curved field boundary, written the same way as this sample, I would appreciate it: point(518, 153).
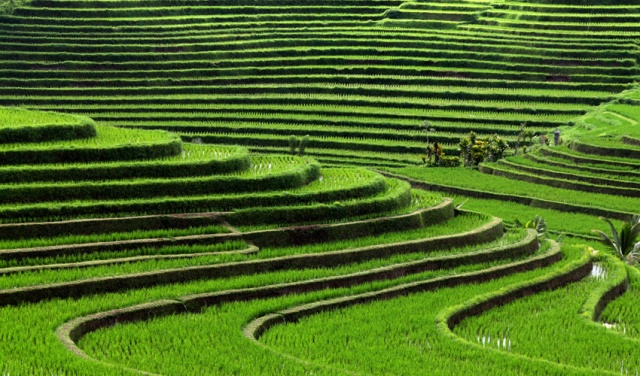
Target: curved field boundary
point(159, 149)
point(257, 327)
point(13, 231)
point(87, 264)
point(71, 332)
point(616, 288)
point(237, 160)
point(540, 159)
point(25, 126)
point(394, 199)
point(579, 159)
point(568, 176)
point(488, 232)
point(579, 269)
point(449, 318)
point(599, 298)
point(60, 250)
point(533, 202)
point(590, 311)
point(509, 225)
point(253, 204)
point(296, 235)
point(524, 247)
point(603, 150)
point(565, 184)
point(299, 235)
point(47, 133)
point(295, 177)
point(622, 117)
point(631, 140)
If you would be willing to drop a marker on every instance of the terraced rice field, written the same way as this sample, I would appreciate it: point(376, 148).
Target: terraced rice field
point(359, 77)
point(158, 223)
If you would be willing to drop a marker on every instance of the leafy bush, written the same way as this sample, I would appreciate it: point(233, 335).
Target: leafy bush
point(474, 150)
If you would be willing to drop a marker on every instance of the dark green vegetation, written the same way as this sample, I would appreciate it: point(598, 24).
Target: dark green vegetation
point(137, 236)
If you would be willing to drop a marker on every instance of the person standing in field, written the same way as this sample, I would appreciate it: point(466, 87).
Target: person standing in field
point(556, 137)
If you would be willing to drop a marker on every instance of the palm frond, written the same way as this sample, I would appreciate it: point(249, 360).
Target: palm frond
point(607, 240)
point(623, 241)
point(614, 232)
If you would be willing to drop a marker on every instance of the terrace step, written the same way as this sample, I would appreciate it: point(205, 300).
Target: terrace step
point(596, 148)
point(576, 157)
point(576, 166)
point(108, 146)
point(534, 177)
point(542, 170)
point(488, 232)
point(71, 332)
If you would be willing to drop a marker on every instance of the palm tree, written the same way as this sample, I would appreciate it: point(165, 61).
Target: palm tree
point(624, 242)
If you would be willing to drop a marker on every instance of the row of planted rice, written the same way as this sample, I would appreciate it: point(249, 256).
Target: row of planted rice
point(361, 79)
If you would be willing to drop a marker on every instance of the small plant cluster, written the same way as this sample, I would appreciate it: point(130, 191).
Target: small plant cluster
point(436, 157)
point(474, 150)
point(300, 144)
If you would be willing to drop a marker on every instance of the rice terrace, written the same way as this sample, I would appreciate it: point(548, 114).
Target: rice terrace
point(319, 187)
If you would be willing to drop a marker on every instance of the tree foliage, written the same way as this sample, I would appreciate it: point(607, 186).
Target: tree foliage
point(474, 150)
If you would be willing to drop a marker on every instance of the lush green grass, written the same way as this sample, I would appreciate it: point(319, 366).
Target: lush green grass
point(110, 237)
point(228, 319)
point(34, 278)
point(458, 225)
point(606, 124)
point(21, 325)
point(557, 221)
point(566, 168)
point(399, 332)
point(19, 117)
point(623, 312)
point(107, 137)
point(193, 161)
point(345, 186)
point(475, 180)
point(533, 325)
point(406, 64)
